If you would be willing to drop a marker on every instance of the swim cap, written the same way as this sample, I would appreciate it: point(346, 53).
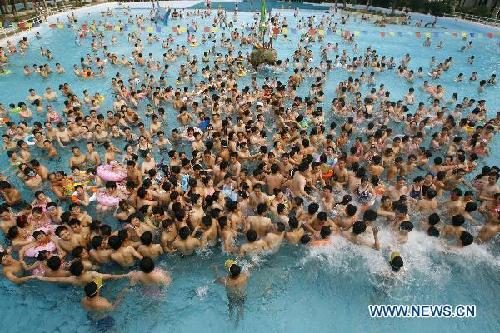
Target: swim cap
point(98, 281)
point(396, 261)
point(91, 289)
point(229, 263)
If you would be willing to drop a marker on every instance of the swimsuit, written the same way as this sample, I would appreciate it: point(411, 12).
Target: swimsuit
point(415, 194)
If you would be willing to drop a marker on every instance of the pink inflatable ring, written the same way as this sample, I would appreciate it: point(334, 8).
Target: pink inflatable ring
point(109, 172)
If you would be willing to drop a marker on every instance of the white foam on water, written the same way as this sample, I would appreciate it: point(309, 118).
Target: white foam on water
point(202, 292)
point(423, 256)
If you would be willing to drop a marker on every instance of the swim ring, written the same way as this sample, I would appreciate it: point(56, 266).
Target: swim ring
point(30, 140)
point(33, 252)
point(107, 200)
point(6, 72)
point(109, 173)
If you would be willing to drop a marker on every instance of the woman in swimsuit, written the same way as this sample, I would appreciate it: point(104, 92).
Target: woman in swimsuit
point(144, 147)
point(416, 188)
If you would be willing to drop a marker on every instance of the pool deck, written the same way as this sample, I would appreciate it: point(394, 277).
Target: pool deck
point(79, 12)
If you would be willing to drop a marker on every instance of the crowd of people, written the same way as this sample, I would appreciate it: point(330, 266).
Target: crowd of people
point(248, 168)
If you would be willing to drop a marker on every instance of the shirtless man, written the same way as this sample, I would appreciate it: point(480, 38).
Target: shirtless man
point(489, 230)
point(79, 276)
point(489, 190)
point(274, 238)
point(455, 205)
point(275, 179)
point(149, 275)
point(185, 243)
point(67, 240)
point(236, 285)
point(12, 268)
point(253, 245)
point(356, 235)
point(147, 248)
point(78, 159)
point(133, 174)
point(399, 189)
point(258, 197)
point(92, 157)
point(98, 253)
point(260, 223)
point(298, 182)
point(122, 255)
point(94, 302)
point(62, 135)
point(11, 195)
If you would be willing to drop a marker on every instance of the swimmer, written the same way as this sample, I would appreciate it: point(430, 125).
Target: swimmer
point(236, 284)
point(149, 275)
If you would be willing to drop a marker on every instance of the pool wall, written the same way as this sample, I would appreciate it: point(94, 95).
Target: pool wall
point(456, 23)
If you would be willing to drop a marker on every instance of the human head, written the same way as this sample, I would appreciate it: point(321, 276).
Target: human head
point(147, 265)
point(396, 261)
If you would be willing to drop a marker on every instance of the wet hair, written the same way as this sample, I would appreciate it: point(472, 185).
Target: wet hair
point(146, 238)
point(76, 268)
point(90, 289)
point(351, 210)
point(430, 194)
point(457, 220)
point(235, 270)
point(293, 222)
point(280, 226)
point(222, 221)
point(115, 242)
point(396, 263)
point(12, 232)
point(312, 208)
point(261, 208)
point(123, 234)
point(470, 206)
point(147, 265)
point(358, 227)
point(77, 252)
point(370, 215)
point(401, 208)
point(434, 219)
point(54, 263)
point(184, 232)
point(280, 208)
point(60, 229)
point(105, 230)
point(206, 220)
point(406, 226)
point(466, 238)
point(305, 239)
point(322, 216)
point(325, 231)
point(433, 231)
point(251, 235)
point(96, 242)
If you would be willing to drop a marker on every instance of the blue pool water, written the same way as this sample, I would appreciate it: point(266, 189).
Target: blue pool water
point(297, 289)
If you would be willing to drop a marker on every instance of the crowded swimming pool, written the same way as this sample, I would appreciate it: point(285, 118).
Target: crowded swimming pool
point(297, 288)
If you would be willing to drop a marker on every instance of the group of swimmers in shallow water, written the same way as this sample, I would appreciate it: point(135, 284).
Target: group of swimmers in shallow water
point(249, 168)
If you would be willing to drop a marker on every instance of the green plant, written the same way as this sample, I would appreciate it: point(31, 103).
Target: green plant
point(478, 11)
point(438, 8)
